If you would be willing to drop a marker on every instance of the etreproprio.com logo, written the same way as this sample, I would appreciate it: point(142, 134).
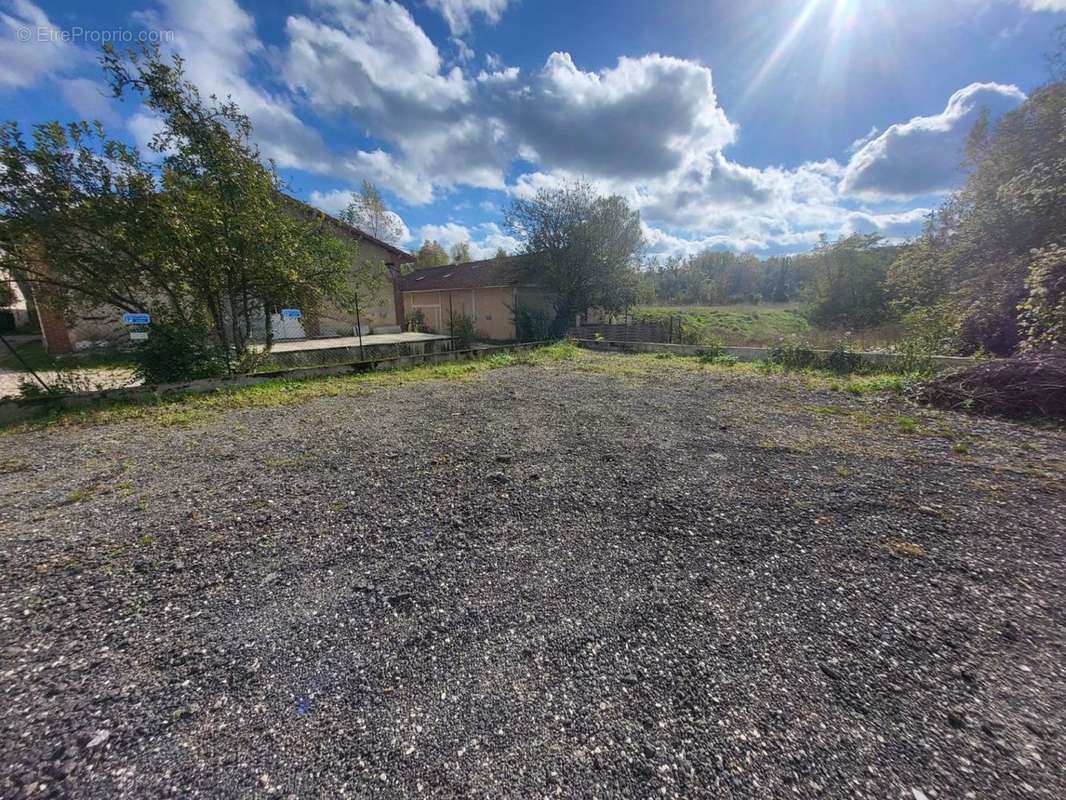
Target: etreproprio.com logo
point(43, 33)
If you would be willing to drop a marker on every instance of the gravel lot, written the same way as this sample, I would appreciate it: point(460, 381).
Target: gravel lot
point(549, 581)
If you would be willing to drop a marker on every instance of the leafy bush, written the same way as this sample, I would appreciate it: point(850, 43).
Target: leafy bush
point(844, 361)
point(931, 331)
point(794, 357)
point(1044, 312)
point(461, 329)
point(533, 325)
point(178, 352)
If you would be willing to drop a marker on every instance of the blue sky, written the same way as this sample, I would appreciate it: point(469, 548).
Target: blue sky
point(754, 125)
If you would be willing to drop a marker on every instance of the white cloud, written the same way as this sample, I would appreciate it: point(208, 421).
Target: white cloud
point(144, 126)
point(459, 14)
point(221, 46)
point(370, 63)
point(464, 53)
point(484, 239)
point(1044, 5)
point(30, 49)
point(336, 201)
point(448, 234)
point(643, 117)
point(649, 128)
point(862, 141)
point(893, 226)
point(924, 156)
point(90, 99)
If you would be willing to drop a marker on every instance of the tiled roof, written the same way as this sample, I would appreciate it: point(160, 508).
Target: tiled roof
point(468, 275)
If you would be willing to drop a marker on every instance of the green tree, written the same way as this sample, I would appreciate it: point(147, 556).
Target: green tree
point(584, 247)
point(846, 281)
point(500, 253)
point(994, 249)
point(460, 252)
point(200, 237)
point(431, 254)
point(368, 212)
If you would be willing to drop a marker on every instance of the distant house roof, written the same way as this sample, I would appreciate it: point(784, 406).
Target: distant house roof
point(507, 271)
point(352, 232)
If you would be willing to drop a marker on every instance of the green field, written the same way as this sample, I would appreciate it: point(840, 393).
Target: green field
point(762, 325)
point(735, 324)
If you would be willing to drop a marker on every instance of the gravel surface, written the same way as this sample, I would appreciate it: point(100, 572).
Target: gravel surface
point(550, 581)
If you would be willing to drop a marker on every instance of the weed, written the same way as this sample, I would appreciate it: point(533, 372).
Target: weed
point(907, 424)
point(834, 411)
point(79, 495)
point(960, 447)
point(147, 539)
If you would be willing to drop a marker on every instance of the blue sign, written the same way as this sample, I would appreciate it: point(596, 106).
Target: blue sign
point(291, 313)
point(136, 319)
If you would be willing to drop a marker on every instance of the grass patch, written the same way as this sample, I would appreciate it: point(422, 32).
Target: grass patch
point(80, 495)
point(185, 409)
point(733, 324)
point(907, 424)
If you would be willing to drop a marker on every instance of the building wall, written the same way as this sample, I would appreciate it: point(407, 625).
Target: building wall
point(378, 310)
point(491, 309)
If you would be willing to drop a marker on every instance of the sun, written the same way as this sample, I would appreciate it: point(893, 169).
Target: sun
point(833, 30)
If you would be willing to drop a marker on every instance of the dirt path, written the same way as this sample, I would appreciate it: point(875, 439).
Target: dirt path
point(546, 582)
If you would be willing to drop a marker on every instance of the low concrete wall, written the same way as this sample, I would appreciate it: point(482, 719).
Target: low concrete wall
point(756, 353)
point(15, 410)
point(326, 356)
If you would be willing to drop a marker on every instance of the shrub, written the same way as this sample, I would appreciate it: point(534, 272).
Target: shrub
point(794, 357)
point(930, 332)
point(1044, 312)
point(533, 325)
point(461, 329)
point(844, 361)
point(179, 352)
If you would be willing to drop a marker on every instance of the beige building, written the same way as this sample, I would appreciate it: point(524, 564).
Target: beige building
point(380, 311)
point(489, 292)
